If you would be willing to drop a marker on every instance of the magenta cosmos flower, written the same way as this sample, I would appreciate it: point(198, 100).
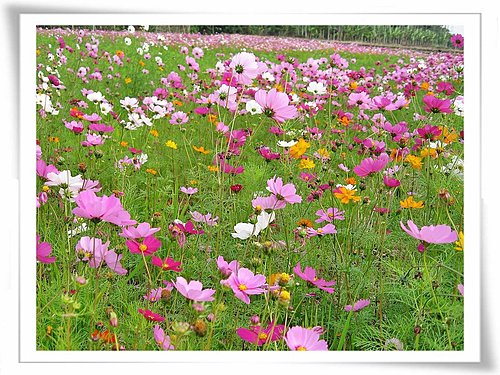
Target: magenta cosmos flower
point(435, 105)
point(146, 247)
point(303, 339)
point(391, 182)
point(283, 193)
point(259, 335)
point(151, 316)
point(104, 208)
point(225, 268)
point(430, 234)
point(275, 105)
point(43, 250)
point(309, 275)
point(371, 165)
point(143, 230)
point(244, 67)
point(193, 290)
point(457, 40)
point(244, 283)
point(327, 229)
point(167, 264)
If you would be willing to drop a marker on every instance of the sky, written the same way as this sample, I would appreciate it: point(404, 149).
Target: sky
point(456, 29)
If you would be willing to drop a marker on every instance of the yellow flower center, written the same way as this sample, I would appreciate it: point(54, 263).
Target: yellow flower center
point(45, 188)
point(262, 336)
point(301, 349)
point(320, 230)
point(143, 247)
point(242, 287)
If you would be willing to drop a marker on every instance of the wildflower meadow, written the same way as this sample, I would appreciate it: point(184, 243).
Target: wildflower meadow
point(227, 192)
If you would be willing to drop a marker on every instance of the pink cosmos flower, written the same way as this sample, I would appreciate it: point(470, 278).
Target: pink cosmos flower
point(329, 215)
point(103, 208)
point(275, 105)
point(207, 219)
point(42, 169)
point(429, 132)
point(303, 339)
point(435, 105)
point(371, 165)
point(189, 190)
point(154, 295)
point(92, 140)
point(259, 335)
point(283, 193)
point(178, 118)
point(225, 268)
point(43, 250)
point(148, 246)
point(167, 264)
point(327, 229)
point(244, 283)
point(101, 128)
point(193, 290)
point(361, 304)
point(460, 288)
point(430, 234)
point(161, 339)
point(309, 275)
point(94, 251)
point(143, 230)
point(457, 40)
point(151, 316)
point(266, 203)
point(361, 99)
point(244, 67)
point(74, 126)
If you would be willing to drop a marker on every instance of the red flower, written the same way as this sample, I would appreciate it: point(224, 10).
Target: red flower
point(151, 316)
point(236, 188)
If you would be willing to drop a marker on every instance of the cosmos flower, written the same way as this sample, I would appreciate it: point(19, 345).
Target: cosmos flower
point(161, 338)
point(151, 316)
point(43, 250)
point(283, 193)
point(193, 290)
point(104, 208)
point(167, 264)
point(309, 275)
point(361, 304)
point(94, 251)
point(371, 165)
point(435, 105)
point(244, 67)
point(329, 215)
point(244, 283)
point(149, 245)
point(303, 339)
point(275, 104)
point(259, 335)
point(141, 231)
point(435, 234)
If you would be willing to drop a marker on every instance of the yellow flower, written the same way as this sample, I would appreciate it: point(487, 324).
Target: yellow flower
point(151, 171)
point(448, 136)
point(213, 168)
point(429, 152)
point(353, 85)
point(123, 144)
point(201, 149)
point(38, 52)
point(306, 164)
point(299, 149)
point(346, 195)
point(344, 120)
point(54, 139)
point(415, 161)
point(154, 133)
point(278, 87)
point(460, 242)
point(410, 203)
point(425, 86)
point(128, 80)
point(171, 144)
point(193, 182)
point(142, 63)
point(323, 152)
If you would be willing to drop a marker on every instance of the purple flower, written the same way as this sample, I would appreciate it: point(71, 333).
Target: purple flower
point(362, 303)
point(329, 215)
point(189, 190)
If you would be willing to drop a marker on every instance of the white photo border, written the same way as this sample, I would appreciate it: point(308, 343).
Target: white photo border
point(472, 222)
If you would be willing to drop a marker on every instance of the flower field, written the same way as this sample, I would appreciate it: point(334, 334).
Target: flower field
point(229, 192)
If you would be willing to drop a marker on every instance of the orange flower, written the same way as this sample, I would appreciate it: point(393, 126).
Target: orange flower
point(151, 171)
point(344, 120)
point(213, 168)
point(120, 54)
point(346, 195)
point(425, 86)
point(212, 118)
point(201, 149)
point(177, 103)
point(350, 181)
point(410, 203)
point(429, 152)
point(142, 63)
point(154, 133)
point(305, 223)
point(123, 144)
point(353, 85)
point(415, 161)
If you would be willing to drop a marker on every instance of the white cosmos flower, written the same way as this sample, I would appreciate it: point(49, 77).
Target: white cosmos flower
point(127, 41)
point(95, 97)
point(131, 29)
point(269, 76)
point(286, 144)
point(316, 88)
point(65, 179)
point(253, 107)
point(105, 108)
point(245, 230)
